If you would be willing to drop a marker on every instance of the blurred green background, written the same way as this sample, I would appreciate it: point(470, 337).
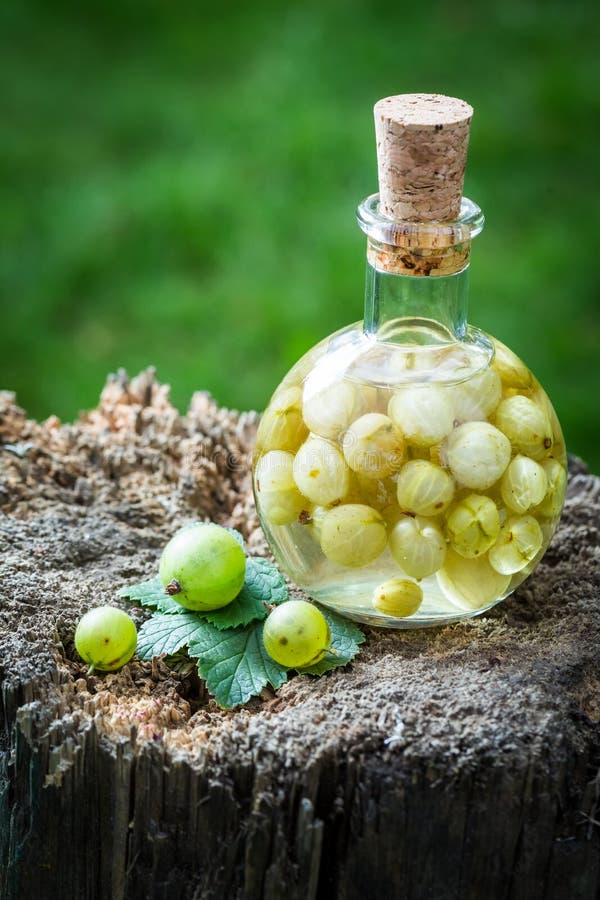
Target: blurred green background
point(179, 183)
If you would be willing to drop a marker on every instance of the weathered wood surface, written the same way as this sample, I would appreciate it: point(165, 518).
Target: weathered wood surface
point(457, 763)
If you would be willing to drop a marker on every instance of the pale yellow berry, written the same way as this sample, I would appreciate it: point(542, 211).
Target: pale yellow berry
point(512, 371)
point(423, 413)
point(397, 597)
point(524, 484)
point(277, 494)
point(556, 477)
point(282, 426)
point(373, 446)
point(473, 525)
point(330, 410)
point(477, 454)
point(476, 398)
point(320, 471)
point(525, 425)
point(471, 584)
point(424, 488)
point(417, 545)
point(519, 543)
point(353, 535)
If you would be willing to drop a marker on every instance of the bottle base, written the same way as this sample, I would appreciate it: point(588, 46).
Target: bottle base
point(355, 603)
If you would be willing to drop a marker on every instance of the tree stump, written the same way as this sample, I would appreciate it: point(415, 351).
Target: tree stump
point(455, 763)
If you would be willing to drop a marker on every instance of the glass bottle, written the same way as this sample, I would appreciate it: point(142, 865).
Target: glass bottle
point(409, 469)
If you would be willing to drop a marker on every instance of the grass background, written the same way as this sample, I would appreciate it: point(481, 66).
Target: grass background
point(179, 183)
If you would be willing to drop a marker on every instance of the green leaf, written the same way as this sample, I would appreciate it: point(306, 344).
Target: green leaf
point(264, 578)
point(345, 640)
point(167, 632)
point(264, 583)
point(150, 593)
point(234, 663)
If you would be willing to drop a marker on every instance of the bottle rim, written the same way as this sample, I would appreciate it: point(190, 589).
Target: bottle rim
point(376, 225)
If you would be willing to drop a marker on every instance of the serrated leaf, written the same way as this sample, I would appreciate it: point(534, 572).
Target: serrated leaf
point(264, 579)
point(150, 593)
point(235, 664)
point(168, 632)
point(345, 640)
point(264, 583)
point(241, 611)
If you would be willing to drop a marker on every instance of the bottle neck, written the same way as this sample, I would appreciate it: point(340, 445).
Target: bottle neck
point(417, 275)
point(416, 309)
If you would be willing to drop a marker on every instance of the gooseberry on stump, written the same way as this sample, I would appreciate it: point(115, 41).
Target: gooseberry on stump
point(296, 634)
point(203, 567)
point(105, 638)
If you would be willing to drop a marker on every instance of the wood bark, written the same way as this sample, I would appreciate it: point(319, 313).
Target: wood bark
point(455, 763)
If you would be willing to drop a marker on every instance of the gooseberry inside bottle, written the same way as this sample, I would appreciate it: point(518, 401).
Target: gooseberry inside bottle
point(410, 470)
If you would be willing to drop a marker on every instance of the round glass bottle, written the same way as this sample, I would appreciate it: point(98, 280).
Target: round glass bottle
point(409, 469)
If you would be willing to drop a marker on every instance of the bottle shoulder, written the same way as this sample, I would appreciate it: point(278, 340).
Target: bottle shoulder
point(479, 370)
point(355, 355)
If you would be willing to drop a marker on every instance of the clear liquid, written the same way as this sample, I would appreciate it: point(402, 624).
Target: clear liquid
point(471, 378)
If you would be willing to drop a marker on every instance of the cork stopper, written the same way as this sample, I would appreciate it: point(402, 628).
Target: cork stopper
point(422, 142)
